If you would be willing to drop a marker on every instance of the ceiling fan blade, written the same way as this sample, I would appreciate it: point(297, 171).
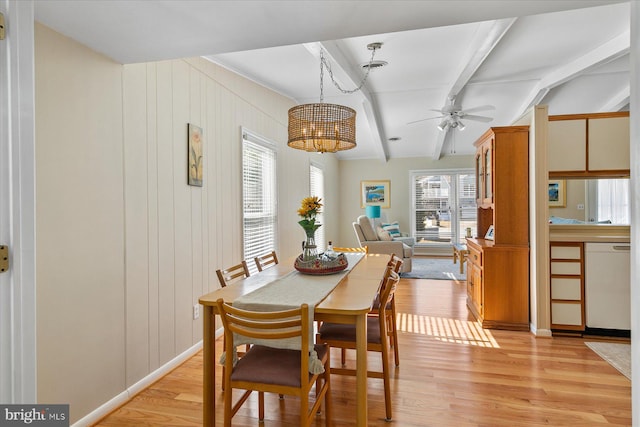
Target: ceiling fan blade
point(480, 108)
point(422, 120)
point(477, 118)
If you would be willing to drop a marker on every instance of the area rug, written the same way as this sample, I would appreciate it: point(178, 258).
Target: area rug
point(617, 355)
point(435, 268)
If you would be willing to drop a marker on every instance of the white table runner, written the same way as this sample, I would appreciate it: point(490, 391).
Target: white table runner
point(291, 291)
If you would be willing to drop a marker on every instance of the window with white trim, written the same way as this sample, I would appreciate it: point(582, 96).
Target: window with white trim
point(316, 188)
point(259, 207)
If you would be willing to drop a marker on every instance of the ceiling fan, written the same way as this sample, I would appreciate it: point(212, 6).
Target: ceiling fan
point(452, 115)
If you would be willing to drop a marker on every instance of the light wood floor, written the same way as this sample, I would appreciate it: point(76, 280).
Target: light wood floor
point(452, 373)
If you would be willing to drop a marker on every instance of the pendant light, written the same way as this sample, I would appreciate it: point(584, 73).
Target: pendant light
point(322, 127)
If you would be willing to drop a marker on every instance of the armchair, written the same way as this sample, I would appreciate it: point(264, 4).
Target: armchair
point(367, 236)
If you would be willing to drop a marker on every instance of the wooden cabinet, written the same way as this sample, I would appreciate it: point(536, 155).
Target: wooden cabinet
point(567, 286)
point(584, 145)
point(498, 269)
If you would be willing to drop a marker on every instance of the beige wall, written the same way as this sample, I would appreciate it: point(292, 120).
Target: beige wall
point(575, 192)
point(124, 246)
point(80, 288)
point(397, 171)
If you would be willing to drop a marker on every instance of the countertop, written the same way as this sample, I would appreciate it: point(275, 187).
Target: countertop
point(589, 233)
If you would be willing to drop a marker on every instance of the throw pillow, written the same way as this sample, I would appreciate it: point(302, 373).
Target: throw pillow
point(367, 230)
point(383, 235)
point(392, 228)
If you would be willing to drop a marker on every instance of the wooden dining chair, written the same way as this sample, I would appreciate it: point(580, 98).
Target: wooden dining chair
point(344, 336)
point(266, 260)
point(233, 273)
point(227, 276)
point(270, 369)
point(364, 249)
point(395, 263)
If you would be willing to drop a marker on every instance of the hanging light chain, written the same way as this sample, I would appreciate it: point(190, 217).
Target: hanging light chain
point(325, 63)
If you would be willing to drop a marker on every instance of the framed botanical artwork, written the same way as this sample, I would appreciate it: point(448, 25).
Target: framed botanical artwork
point(557, 194)
point(375, 193)
point(196, 159)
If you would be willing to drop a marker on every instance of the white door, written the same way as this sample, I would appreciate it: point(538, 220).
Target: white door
point(17, 205)
point(5, 283)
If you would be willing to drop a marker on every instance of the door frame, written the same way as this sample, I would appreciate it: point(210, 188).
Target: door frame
point(17, 204)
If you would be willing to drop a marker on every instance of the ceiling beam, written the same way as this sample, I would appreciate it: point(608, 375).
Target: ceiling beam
point(488, 35)
point(349, 78)
point(613, 49)
point(618, 101)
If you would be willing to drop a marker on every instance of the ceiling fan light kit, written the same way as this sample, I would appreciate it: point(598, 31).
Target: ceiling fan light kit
point(326, 128)
point(453, 114)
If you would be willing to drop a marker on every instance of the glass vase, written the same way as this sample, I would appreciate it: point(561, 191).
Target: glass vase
point(309, 248)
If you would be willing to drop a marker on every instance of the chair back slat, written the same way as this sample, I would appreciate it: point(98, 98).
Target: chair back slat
point(236, 272)
point(266, 260)
point(395, 262)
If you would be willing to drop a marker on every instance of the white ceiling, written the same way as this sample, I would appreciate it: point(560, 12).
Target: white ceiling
point(570, 55)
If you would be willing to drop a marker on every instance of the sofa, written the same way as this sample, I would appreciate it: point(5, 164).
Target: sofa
point(402, 246)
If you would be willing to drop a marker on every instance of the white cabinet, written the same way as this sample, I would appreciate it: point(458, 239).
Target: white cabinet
point(584, 145)
point(567, 286)
point(608, 291)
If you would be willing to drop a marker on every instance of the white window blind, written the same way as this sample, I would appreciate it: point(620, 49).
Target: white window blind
point(259, 206)
point(316, 184)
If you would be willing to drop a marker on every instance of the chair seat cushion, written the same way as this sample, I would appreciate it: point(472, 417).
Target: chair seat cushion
point(342, 332)
point(272, 365)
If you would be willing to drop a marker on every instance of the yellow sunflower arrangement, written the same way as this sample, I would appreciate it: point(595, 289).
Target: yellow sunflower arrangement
point(309, 209)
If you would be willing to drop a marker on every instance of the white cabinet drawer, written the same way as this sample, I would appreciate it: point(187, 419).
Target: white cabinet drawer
point(566, 314)
point(567, 289)
point(565, 252)
point(573, 268)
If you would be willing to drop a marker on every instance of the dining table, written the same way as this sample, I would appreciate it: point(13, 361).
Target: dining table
point(348, 302)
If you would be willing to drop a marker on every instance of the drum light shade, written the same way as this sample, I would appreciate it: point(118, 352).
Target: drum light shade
point(322, 128)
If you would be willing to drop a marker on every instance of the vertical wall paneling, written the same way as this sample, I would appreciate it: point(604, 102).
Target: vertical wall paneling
point(136, 230)
point(182, 207)
point(212, 164)
point(196, 194)
point(166, 235)
point(152, 214)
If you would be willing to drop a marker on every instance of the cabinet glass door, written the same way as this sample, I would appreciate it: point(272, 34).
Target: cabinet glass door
point(488, 179)
point(479, 178)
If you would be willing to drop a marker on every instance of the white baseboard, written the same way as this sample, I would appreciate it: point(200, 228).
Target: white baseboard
point(543, 333)
point(122, 398)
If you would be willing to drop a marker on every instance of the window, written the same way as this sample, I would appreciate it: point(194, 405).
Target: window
point(316, 188)
point(443, 207)
point(609, 201)
point(259, 207)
